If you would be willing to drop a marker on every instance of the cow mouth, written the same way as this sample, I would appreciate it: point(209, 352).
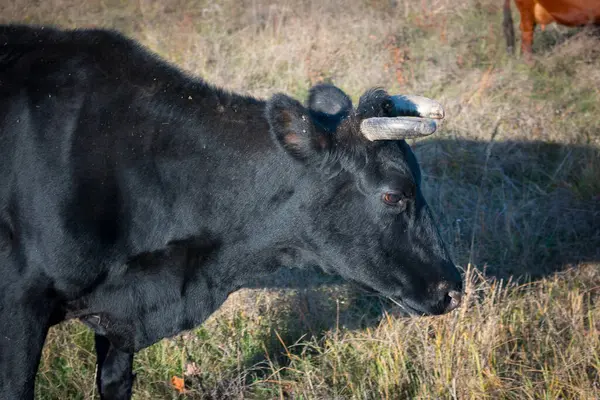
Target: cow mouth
point(404, 304)
point(407, 307)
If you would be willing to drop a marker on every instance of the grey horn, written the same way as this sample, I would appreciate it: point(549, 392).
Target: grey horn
point(413, 117)
point(418, 106)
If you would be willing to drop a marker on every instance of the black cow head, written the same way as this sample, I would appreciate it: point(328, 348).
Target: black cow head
point(360, 211)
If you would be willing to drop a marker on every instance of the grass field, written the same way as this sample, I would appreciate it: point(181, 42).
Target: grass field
point(513, 176)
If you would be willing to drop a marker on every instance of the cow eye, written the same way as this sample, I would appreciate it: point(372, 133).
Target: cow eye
point(395, 199)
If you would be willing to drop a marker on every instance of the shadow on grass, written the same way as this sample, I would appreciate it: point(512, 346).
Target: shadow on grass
point(526, 211)
point(545, 40)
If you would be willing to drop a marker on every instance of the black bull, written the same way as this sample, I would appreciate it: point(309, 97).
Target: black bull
point(136, 198)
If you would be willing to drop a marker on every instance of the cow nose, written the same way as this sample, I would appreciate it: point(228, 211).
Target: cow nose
point(453, 300)
point(450, 295)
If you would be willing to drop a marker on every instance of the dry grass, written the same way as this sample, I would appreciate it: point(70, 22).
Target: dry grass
point(514, 177)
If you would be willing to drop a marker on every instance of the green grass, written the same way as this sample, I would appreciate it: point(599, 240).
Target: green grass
point(514, 177)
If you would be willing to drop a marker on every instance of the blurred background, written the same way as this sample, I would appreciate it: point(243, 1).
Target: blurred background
point(513, 176)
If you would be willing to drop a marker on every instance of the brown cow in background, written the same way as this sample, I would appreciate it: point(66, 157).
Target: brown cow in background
point(544, 12)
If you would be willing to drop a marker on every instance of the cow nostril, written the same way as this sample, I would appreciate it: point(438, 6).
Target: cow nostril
point(455, 297)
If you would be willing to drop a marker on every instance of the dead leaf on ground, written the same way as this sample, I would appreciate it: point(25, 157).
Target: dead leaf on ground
point(178, 383)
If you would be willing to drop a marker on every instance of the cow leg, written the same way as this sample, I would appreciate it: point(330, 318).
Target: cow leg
point(527, 27)
point(114, 376)
point(527, 43)
point(508, 27)
point(24, 323)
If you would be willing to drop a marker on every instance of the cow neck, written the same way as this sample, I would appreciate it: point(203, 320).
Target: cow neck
point(216, 176)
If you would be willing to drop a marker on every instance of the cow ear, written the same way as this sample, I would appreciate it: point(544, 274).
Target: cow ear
point(329, 105)
point(294, 128)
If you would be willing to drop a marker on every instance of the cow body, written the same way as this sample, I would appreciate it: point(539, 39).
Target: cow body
point(543, 12)
point(137, 198)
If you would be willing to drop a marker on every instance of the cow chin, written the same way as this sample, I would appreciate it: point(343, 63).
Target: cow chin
point(413, 309)
point(408, 306)
point(405, 309)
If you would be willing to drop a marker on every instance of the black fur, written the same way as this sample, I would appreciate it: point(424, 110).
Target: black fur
point(136, 198)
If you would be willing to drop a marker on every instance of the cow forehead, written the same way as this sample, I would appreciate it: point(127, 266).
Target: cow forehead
point(391, 159)
point(387, 164)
